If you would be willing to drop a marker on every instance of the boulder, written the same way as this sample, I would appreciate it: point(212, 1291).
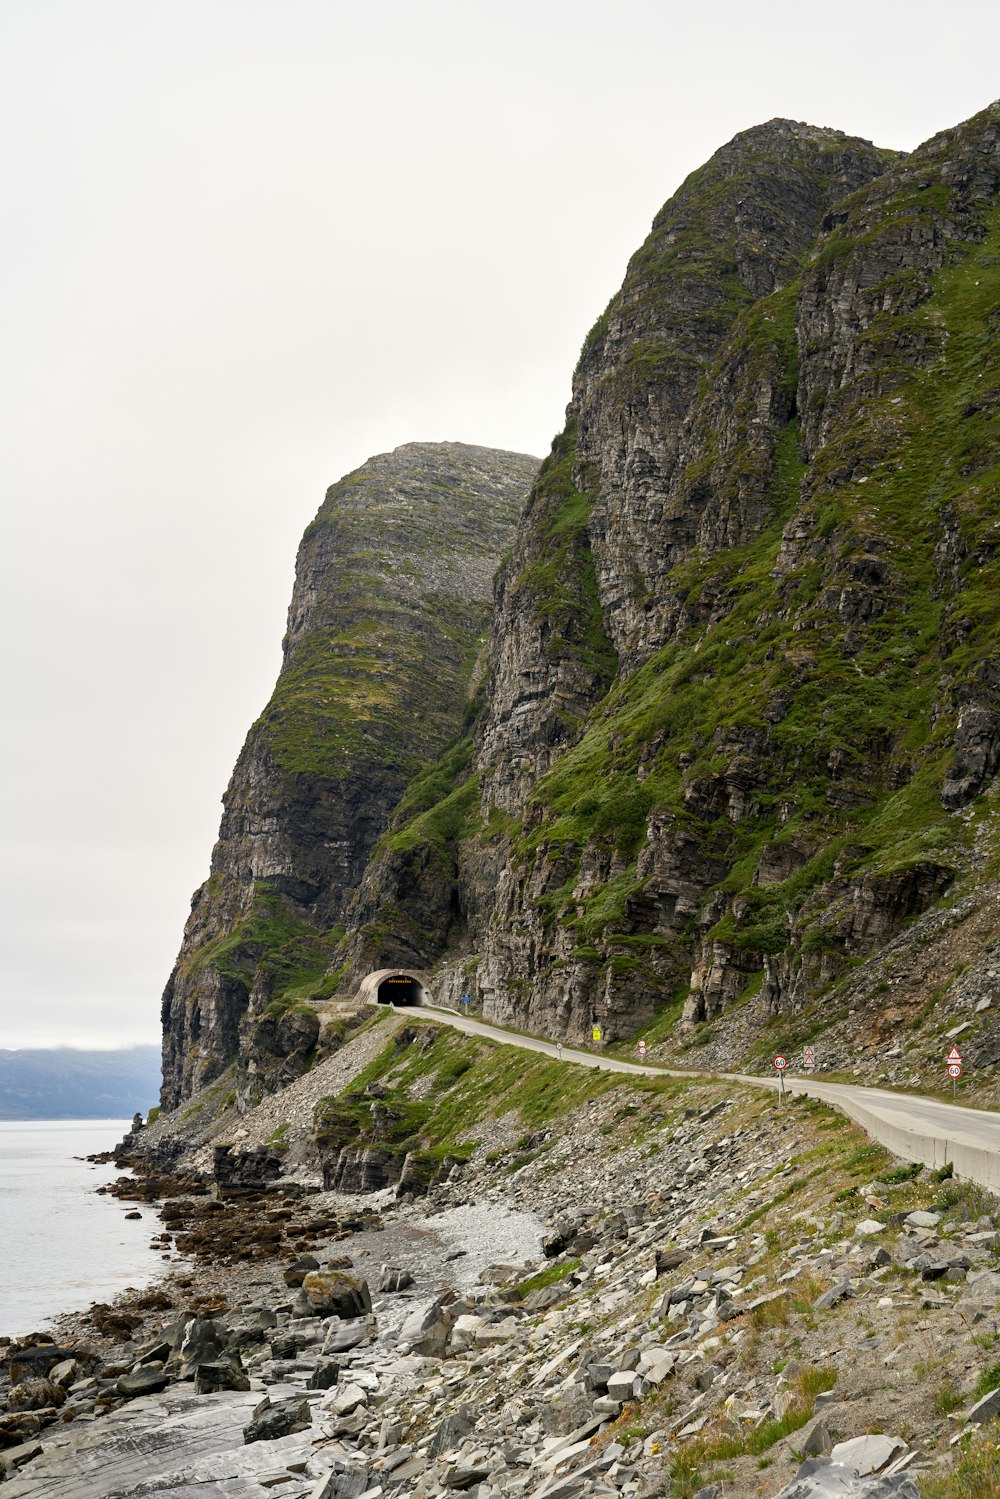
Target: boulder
point(428, 1328)
point(657, 1365)
point(621, 1386)
point(461, 1477)
point(868, 1454)
point(347, 1400)
point(142, 1381)
point(16, 1457)
point(821, 1478)
point(595, 1378)
point(35, 1363)
point(333, 1293)
point(981, 1292)
point(225, 1373)
point(288, 1344)
point(324, 1376)
point(269, 1422)
point(921, 1219)
point(343, 1336)
point(496, 1332)
point(295, 1274)
point(35, 1395)
point(450, 1433)
point(195, 1341)
point(817, 1442)
point(985, 1409)
point(394, 1279)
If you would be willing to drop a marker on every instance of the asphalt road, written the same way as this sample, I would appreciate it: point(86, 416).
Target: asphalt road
point(913, 1128)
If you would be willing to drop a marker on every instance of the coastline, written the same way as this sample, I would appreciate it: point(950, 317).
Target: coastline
point(573, 1312)
point(61, 1245)
point(195, 1305)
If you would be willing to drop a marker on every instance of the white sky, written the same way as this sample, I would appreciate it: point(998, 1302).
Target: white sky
point(249, 244)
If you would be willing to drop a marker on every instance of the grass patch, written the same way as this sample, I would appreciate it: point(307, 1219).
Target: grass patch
point(464, 1082)
point(976, 1474)
point(549, 1277)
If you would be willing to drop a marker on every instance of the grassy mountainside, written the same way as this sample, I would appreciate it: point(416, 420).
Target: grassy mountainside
point(794, 756)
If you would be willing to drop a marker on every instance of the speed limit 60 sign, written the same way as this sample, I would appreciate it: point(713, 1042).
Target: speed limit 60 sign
point(780, 1063)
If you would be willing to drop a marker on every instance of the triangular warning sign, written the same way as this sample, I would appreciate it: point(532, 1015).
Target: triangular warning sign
point(954, 1055)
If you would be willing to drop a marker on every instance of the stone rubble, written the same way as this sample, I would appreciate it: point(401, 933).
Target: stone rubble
point(566, 1328)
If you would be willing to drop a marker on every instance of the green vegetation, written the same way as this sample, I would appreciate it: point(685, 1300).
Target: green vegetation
point(453, 817)
point(977, 1473)
point(987, 1381)
point(550, 1277)
point(270, 940)
point(379, 672)
point(463, 1082)
point(847, 772)
point(687, 1464)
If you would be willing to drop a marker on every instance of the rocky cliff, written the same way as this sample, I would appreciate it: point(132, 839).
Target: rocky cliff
point(742, 719)
point(388, 616)
point(728, 776)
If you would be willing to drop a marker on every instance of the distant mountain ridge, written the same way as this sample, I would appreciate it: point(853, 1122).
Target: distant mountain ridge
point(66, 1084)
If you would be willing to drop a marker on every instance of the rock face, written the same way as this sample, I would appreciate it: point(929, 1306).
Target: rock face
point(742, 690)
point(739, 718)
point(391, 603)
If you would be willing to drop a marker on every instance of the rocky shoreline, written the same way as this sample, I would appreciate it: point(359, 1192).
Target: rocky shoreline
point(597, 1311)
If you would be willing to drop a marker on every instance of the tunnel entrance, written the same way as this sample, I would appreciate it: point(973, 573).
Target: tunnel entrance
point(399, 989)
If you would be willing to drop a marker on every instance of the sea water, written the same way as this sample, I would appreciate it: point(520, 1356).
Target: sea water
point(63, 1246)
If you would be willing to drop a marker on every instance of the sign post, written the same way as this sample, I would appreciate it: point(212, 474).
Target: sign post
point(466, 1002)
point(808, 1059)
point(596, 1033)
point(780, 1063)
point(954, 1066)
point(641, 1048)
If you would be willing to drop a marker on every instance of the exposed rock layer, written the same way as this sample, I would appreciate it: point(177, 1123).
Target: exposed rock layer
point(391, 602)
point(742, 697)
point(742, 715)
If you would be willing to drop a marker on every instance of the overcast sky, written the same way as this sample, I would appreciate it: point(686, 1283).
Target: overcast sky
point(247, 244)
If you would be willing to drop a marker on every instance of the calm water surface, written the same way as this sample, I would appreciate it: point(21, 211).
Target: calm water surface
point(61, 1245)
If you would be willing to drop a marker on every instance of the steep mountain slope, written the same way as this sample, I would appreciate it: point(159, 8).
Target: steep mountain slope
point(389, 613)
point(743, 718)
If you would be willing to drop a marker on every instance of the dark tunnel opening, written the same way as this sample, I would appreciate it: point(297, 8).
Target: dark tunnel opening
point(399, 989)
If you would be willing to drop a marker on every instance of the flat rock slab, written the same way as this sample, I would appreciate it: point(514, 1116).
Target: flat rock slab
point(169, 1445)
point(819, 1478)
point(868, 1454)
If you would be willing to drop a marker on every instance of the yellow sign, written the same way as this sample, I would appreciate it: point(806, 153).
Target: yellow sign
point(597, 1032)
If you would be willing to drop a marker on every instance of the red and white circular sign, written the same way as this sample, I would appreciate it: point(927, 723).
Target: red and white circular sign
point(780, 1063)
point(642, 1048)
point(954, 1069)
